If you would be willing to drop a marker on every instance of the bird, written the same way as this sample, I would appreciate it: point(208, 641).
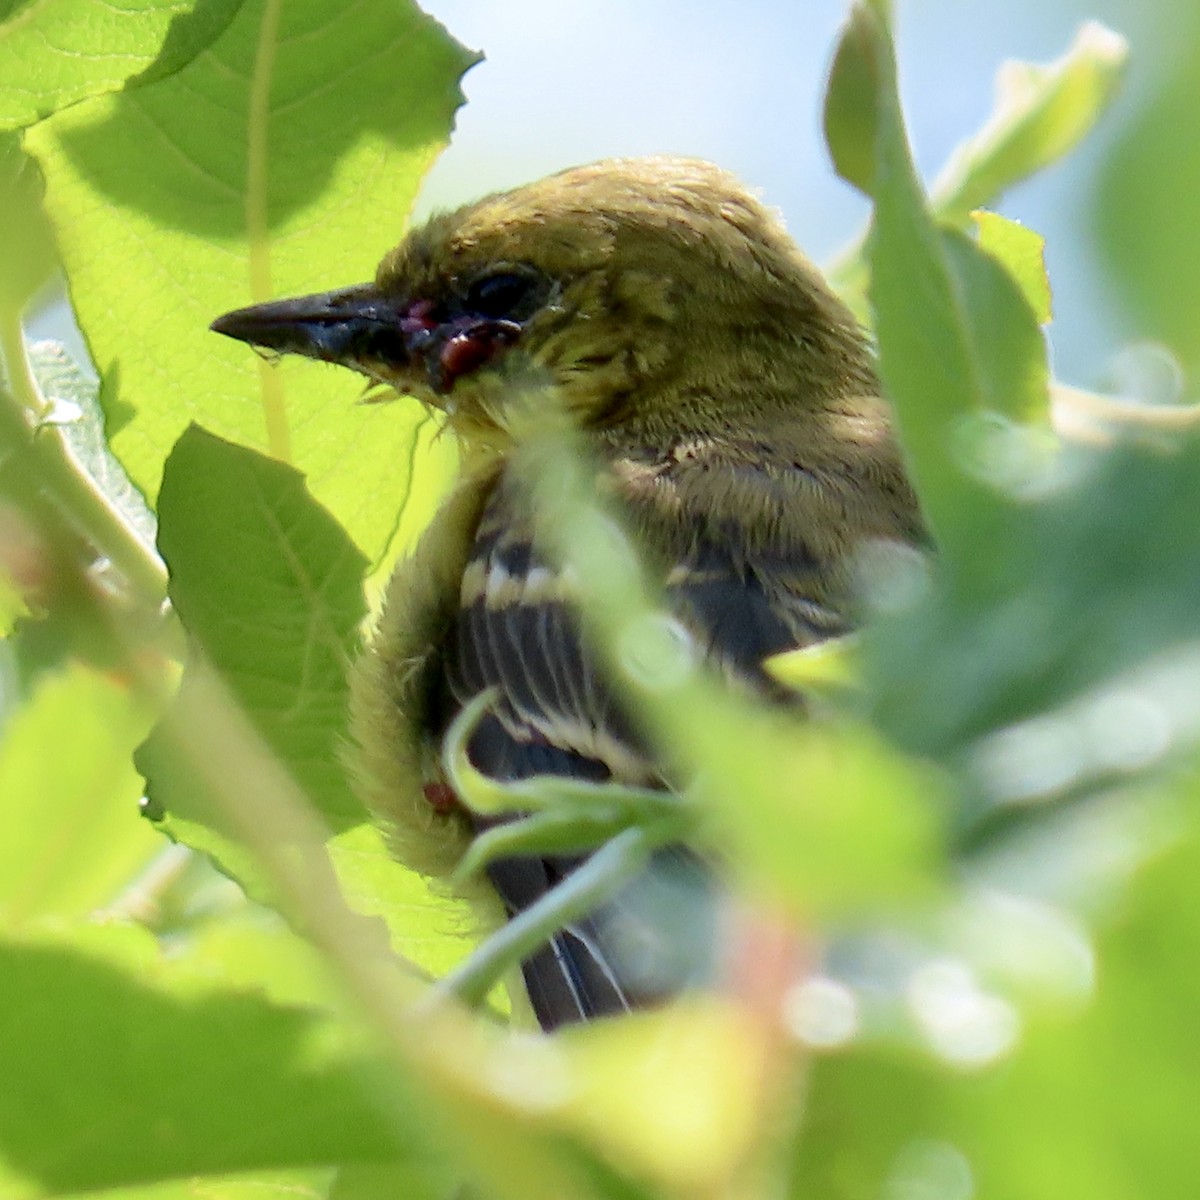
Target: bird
point(731, 404)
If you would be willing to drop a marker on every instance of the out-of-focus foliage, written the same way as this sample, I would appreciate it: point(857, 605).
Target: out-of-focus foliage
point(1147, 191)
point(966, 887)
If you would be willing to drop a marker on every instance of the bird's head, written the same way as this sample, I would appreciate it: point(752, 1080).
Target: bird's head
point(628, 282)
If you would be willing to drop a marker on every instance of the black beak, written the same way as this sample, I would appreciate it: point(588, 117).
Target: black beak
point(350, 326)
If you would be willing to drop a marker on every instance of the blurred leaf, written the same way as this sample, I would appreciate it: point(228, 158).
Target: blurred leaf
point(824, 815)
point(830, 666)
point(1046, 1111)
point(862, 1111)
point(269, 588)
point(670, 1096)
point(12, 606)
point(313, 1184)
point(956, 337)
point(388, 1181)
point(68, 791)
point(254, 950)
point(1042, 112)
point(25, 568)
point(174, 180)
point(1008, 345)
point(52, 55)
point(829, 818)
point(1146, 194)
point(1090, 1102)
point(851, 114)
point(427, 923)
point(1022, 252)
point(1093, 580)
point(135, 1067)
point(26, 241)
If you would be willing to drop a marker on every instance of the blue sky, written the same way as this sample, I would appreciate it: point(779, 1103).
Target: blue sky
point(567, 81)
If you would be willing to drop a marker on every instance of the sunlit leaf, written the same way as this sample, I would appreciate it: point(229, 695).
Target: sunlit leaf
point(53, 55)
point(1023, 254)
point(136, 1067)
point(68, 791)
point(426, 923)
point(284, 159)
point(828, 666)
point(671, 1096)
point(269, 588)
point(1041, 113)
point(26, 242)
point(956, 337)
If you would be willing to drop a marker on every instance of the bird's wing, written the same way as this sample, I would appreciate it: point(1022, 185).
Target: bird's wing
point(516, 632)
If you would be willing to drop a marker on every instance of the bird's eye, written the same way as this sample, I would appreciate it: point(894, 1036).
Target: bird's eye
point(512, 294)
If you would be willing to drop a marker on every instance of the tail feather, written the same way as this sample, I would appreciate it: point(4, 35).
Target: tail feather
point(651, 939)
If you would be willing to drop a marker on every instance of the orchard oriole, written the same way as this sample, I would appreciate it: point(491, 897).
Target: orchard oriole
point(731, 402)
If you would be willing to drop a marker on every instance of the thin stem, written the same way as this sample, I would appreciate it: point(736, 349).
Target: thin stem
point(142, 899)
point(72, 489)
point(587, 886)
point(258, 217)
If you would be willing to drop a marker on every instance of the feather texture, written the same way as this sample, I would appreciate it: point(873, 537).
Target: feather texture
point(730, 403)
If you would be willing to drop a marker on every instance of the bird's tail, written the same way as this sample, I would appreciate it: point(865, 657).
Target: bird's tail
point(651, 940)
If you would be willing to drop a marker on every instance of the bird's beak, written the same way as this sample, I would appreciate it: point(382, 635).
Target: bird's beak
point(385, 338)
point(353, 326)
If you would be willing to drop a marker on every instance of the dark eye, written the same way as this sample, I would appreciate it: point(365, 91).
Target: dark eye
point(513, 294)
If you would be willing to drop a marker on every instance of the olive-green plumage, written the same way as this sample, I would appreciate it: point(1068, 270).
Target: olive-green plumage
point(726, 393)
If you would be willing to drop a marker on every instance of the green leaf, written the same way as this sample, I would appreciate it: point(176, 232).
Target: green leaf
point(1092, 1101)
point(956, 338)
point(426, 923)
point(1142, 206)
point(543, 834)
point(851, 116)
point(52, 55)
point(313, 1184)
point(284, 159)
point(73, 397)
point(1042, 112)
point(1006, 342)
point(1022, 253)
point(822, 815)
point(864, 1113)
point(12, 605)
point(831, 818)
point(828, 667)
point(670, 1096)
point(388, 1181)
point(195, 27)
point(134, 1066)
point(68, 793)
point(269, 588)
point(26, 241)
point(1094, 580)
